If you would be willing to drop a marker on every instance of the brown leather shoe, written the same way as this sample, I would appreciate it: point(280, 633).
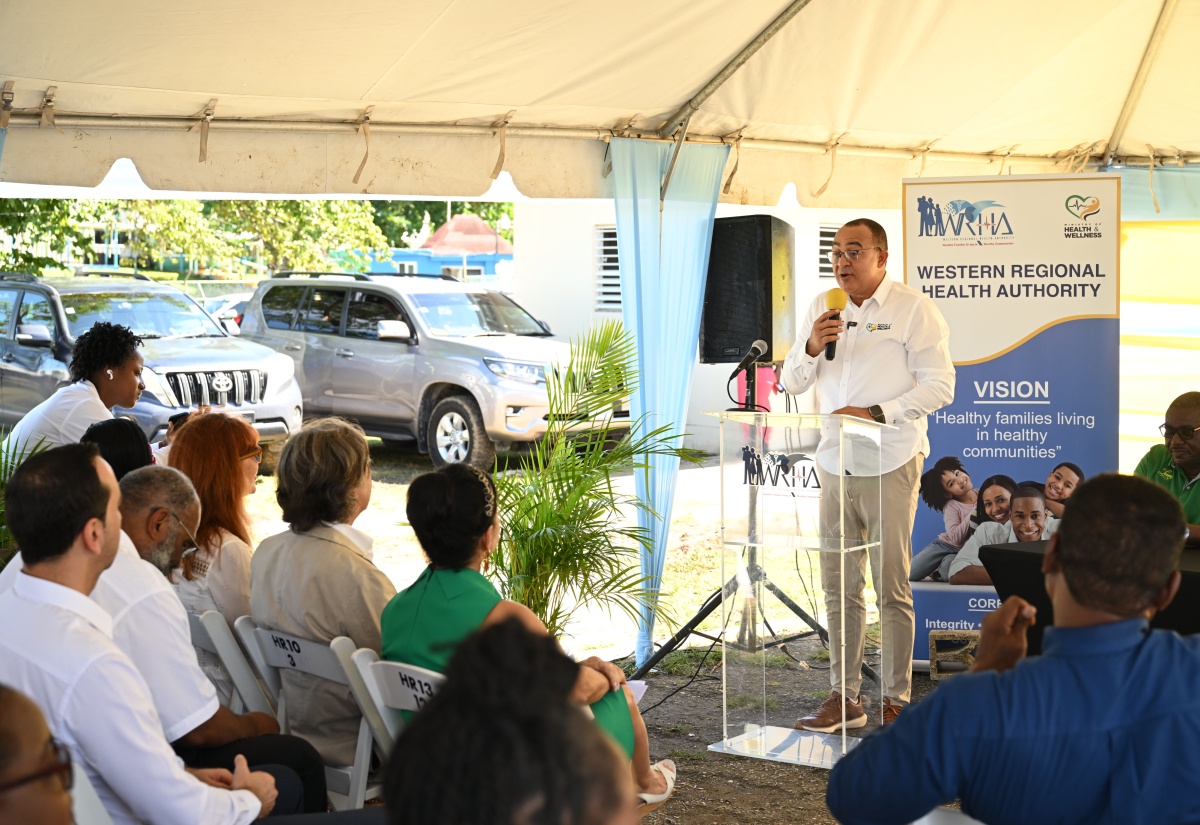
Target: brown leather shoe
point(828, 717)
point(891, 710)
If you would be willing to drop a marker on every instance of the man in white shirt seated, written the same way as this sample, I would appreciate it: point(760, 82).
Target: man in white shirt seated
point(159, 513)
point(1027, 521)
point(62, 507)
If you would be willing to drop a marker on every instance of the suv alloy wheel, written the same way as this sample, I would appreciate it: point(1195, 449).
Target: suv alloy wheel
point(456, 435)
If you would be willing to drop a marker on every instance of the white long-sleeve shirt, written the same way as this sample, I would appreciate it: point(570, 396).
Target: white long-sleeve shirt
point(57, 648)
point(894, 352)
point(150, 626)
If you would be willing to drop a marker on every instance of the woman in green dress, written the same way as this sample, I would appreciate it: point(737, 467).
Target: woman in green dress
point(453, 512)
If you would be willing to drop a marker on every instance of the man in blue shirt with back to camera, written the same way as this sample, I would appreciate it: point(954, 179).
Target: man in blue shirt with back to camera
point(1103, 727)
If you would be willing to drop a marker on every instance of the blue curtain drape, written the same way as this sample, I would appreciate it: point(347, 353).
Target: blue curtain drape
point(3, 135)
point(664, 259)
point(1177, 191)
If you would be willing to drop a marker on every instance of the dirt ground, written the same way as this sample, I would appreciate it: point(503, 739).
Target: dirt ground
point(718, 789)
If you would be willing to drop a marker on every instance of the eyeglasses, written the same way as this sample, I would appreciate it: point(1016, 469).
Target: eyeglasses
point(61, 766)
point(1169, 432)
point(851, 254)
point(188, 549)
point(256, 454)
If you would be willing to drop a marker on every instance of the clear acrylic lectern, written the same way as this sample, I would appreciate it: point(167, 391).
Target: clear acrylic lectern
point(791, 486)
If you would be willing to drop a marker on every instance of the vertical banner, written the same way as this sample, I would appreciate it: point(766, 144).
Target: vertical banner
point(1025, 270)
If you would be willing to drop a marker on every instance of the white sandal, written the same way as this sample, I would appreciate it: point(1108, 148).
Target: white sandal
point(654, 801)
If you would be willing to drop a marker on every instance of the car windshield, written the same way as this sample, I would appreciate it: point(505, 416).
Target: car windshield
point(463, 314)
point(148, 314)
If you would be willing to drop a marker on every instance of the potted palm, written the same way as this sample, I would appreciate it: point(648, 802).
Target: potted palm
point(11, 456)
point(568, 539)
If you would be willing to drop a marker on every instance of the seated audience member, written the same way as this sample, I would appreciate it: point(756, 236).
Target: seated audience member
point(317, 580)
point(35, 770)
point(122, 444)
point(62, 507)
point(453, 512)
point(160, 511)
point(1027, 521)
point(1060, 484)
point(1104, 726)
point(1175, 465)
point(162, 450)
point(947, 489)
point(503, 733)
point(106, 372)
point(995, 496)
point(220, 454)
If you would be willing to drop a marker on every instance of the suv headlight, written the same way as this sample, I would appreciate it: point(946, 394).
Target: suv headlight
point(517, 370)
point(157, 387)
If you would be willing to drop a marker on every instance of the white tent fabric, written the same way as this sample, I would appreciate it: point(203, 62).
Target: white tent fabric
point(447, 92)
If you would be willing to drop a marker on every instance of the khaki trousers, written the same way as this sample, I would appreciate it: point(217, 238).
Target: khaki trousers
point(890, 560)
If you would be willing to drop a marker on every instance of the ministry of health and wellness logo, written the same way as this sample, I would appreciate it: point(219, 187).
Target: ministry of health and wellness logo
point(961, 222)
point(1083, 209)
point(1082, 206)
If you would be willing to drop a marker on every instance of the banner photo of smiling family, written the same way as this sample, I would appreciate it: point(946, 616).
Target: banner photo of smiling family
point(1026, 272)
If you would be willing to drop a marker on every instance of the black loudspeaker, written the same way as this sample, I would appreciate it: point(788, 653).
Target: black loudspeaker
point(748, 293)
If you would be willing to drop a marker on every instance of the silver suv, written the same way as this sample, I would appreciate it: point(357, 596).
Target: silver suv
point(190, 359)
point(459, 368)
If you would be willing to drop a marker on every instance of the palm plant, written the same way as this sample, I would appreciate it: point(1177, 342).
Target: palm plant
point(11, 456)
point(567, 540)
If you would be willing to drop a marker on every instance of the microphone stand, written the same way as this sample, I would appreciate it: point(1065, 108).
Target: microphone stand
point(750, 403)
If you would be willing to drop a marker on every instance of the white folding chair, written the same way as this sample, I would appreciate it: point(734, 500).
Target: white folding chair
point(392, 687)
point(271, 651)
point(85, 802)
point(210, 632)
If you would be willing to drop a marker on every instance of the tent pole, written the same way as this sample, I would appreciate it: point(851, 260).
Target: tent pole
point(28, 119)
point(684, 111)
point(1139, 79)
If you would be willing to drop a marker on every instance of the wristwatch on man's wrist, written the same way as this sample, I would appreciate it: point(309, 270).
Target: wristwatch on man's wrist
point(876, 412)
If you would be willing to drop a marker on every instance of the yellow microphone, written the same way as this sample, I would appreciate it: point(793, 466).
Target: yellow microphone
point(834, 299)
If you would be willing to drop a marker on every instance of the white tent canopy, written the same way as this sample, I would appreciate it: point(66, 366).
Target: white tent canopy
point(446, 93)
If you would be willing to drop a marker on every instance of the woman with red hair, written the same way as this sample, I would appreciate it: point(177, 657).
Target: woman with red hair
point(220, 454)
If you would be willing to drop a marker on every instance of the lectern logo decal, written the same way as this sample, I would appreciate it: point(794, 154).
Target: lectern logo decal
point(791, 471)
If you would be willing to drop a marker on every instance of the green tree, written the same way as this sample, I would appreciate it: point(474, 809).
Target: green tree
point(297, 234)
point(30, 222)
point(396, 219)
point(156, 228)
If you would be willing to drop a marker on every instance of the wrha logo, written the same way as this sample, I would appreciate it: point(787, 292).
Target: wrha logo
point(962, 219)
point(796, 471)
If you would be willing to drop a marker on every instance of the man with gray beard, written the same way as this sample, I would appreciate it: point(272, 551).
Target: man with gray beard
point(160, 512)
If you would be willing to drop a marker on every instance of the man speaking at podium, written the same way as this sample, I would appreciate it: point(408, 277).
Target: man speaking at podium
point(884, 357)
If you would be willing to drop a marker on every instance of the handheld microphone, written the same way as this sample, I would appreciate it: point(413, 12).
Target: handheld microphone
point(834, 299)
point(757, 350)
